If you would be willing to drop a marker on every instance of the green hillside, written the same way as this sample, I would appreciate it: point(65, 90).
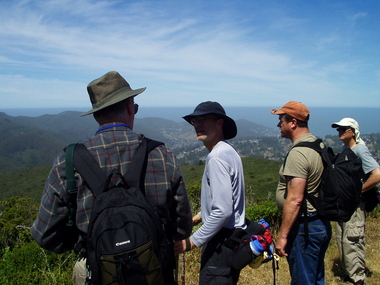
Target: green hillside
point(26, 146)
point(261, 177)
point(27, 183)
point(20, 255)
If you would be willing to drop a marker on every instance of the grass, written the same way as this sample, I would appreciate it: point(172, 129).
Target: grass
point(264, 274)
point(261, 178)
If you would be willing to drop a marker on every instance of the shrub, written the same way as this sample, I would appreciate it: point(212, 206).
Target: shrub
point(265, 210)
point(29, 264)
point(16, 215)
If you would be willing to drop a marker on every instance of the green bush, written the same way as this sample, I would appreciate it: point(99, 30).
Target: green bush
point(375, 213)
point(265, 210)
point(17, 215)
point(29, 264)
point(194, 193)
point(22, 260)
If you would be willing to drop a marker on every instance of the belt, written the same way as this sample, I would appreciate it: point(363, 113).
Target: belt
point(311, 216)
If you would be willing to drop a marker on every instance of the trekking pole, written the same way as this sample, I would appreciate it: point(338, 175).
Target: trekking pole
point(176, 269)
point(183, 269)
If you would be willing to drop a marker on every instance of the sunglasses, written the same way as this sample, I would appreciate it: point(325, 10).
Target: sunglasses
point(136, 107)
point(341, 129)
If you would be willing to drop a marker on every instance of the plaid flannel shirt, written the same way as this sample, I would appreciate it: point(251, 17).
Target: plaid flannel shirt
point(113, 148)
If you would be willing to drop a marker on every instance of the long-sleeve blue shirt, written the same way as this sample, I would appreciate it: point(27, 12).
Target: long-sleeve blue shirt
point(222, 194)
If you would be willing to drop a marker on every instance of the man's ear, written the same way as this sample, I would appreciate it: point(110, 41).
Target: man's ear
point(130, 107)
point(220, 122)
point(294, 123)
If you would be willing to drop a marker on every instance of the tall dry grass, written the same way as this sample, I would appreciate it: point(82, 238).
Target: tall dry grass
point(264, 274)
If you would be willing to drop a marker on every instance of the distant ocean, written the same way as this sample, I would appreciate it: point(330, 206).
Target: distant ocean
point(321, 118)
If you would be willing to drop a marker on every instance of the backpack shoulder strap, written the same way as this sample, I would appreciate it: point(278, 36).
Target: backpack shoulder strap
point(69, 161)
point(134, 174)
point(89, 169)
point(316, 145)
point(152, 144)
point(71, 184)
point(96, 178)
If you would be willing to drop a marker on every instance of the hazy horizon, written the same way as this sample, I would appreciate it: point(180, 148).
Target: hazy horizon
point(320, 122)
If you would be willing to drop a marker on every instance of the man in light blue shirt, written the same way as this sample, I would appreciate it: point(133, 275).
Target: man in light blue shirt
point(350, 235)
point(222, 195)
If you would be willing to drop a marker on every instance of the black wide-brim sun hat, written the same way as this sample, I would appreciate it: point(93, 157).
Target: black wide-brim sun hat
point(214, 108)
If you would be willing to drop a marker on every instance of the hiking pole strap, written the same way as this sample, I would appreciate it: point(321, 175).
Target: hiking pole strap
point(274, 271)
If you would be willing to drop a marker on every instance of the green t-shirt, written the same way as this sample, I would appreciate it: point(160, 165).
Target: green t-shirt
point(301, 162)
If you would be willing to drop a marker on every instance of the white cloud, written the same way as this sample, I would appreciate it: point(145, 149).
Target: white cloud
point(178, 51)
point(358, 16)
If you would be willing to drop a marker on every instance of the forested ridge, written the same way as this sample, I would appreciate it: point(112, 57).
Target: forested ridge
point(22, 261)
point(27, 152)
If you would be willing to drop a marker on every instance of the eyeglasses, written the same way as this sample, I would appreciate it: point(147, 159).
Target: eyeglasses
point(197, 120)
point(136, 107)
point(340, 129)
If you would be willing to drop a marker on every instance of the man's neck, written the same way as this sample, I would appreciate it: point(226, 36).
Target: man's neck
point(299, 132)
point(210, 145)
point(117, 121)
point(352, 143)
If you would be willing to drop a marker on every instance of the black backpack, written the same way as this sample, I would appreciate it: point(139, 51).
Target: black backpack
point(126, 241)
point(341, 184)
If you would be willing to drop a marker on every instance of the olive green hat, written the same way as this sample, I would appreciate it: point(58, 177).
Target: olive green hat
point(109, 89)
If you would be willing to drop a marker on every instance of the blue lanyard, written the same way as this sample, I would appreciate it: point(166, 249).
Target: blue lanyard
point(112, 126)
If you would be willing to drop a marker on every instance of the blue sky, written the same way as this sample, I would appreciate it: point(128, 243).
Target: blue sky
point(240, 53)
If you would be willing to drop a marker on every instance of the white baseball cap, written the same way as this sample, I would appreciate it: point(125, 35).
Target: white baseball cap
point(349, 122)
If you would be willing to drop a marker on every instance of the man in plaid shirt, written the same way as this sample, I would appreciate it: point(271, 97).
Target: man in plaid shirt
point(113, 147)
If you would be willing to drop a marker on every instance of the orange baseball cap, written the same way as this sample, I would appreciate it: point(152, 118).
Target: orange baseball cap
point(295, 109)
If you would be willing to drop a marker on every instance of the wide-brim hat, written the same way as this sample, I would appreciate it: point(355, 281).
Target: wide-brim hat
point(214, 108)
point(295, 109)
point(109, 89)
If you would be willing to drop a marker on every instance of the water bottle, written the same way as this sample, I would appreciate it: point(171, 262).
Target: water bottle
point(255, 245)
point(264, 223)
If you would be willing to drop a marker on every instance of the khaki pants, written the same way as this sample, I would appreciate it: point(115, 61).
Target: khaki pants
point(351, 244)
point(80, 272)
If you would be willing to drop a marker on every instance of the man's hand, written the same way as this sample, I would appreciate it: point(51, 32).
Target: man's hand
point(196, 220)
point(180, 246)
point(280, 246)
point(296, 188)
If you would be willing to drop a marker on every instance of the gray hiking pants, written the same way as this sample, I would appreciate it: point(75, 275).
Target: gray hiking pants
point(80, 272)
point(350, 237)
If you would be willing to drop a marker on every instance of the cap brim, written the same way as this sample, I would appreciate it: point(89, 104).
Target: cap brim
point(277, 112)
point(336, 125)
